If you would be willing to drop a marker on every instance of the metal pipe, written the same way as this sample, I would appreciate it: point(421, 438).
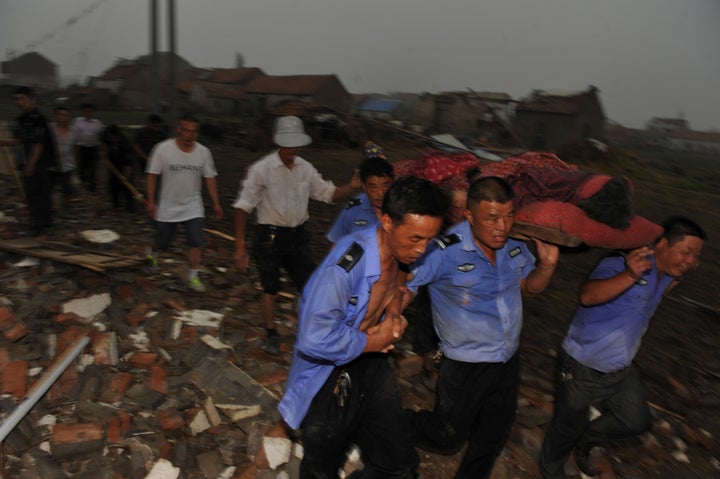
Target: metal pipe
point(41, 386)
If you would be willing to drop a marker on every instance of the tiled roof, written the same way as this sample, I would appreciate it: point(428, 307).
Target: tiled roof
point(233, 75)
point(288, 85)
point(215, 90)
point(692, 135)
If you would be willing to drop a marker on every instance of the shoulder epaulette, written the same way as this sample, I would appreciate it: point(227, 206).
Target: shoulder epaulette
point(353, 202)
point(349, 258)
point(447, 240)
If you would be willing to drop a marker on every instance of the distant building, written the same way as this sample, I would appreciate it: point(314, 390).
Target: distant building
point(264, 92)
point(666, 125)
point(694, 141)
point(130, 80)
point(221, 90)
point(378, 108)
point(545, 120)
point(30, 69)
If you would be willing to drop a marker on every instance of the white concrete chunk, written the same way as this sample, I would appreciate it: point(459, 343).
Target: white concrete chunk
point(163, 469)
point(277, 450)
point(88, 307)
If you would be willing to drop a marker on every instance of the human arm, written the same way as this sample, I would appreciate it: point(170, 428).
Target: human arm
point(211, 184)
point(602, 290)
point(242, 259)
point(151, 187)
point(547, 256)
point(342, 192)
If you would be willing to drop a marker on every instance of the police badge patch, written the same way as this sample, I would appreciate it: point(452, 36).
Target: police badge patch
point(350, 257)
point(466, 268)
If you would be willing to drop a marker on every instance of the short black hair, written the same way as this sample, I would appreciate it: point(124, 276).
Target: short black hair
point(86, 106)
point(676, 228)
point(376, 167)
point(413, 195)
point(189, 117)
point(61, 108)
point(24, 90)
point(490, 188)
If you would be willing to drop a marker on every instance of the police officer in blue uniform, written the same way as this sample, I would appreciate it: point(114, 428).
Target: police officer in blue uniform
point(365, 210)
point(341, 387)
point(476, 276)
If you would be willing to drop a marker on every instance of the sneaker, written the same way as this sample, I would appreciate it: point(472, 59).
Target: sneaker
point(196, 285)
point(272, 345)
point(586, 459)
point(152, 261)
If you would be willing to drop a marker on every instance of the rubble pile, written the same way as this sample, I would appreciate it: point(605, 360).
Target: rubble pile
point(174, 384)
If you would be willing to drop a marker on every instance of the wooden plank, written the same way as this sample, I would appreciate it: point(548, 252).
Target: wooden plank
point(97, 261)
point(525, 231)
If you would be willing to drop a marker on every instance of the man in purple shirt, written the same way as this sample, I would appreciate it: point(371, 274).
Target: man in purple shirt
point(595, 365)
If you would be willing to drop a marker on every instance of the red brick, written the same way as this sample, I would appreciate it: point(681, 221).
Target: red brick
point(251, 472)
point(135, 319)
point(125, 291)
point(17, 332)
point(104, 346)
point(74, 433)
point(113, 431)
point(69, 337)
point(170, 420)
point(158, 380)
point(273, 378)
point(115, 391)
point(65, 383)
point(189, 334)
point(173, 304)
point(4, 357)
point(14, 378)
point(143, 360)
point(69, 319)
point(11, 326)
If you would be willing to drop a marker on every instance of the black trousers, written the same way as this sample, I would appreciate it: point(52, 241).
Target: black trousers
point(475, 402)
point(38, 189)
point(371, 417)
point(87, 162)
point(277, 247)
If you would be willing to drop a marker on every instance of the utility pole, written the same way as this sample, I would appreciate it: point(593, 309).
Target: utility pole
point(154, 78)
point(171, 74)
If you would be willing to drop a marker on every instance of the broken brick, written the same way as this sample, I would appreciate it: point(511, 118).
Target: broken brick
point(115, 391)
point(14, 378)
point(143, 360)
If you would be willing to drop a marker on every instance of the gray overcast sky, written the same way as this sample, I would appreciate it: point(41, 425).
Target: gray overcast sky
point(648, 57)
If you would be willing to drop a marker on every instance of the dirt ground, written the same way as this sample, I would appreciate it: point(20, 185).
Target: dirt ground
point(678, 359)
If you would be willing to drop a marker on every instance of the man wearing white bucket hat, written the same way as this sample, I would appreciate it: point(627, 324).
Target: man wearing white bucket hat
point(279, 186)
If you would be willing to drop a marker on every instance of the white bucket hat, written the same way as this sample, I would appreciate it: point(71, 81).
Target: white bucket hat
point(290, 133)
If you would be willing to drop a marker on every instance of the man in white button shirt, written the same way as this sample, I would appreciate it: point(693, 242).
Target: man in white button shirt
point(87, 130)
point(280, 186)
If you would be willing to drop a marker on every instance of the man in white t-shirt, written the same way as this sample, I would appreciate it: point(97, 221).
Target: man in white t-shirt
point(183, 163)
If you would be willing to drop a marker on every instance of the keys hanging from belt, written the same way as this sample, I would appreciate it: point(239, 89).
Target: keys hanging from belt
point(342, 388)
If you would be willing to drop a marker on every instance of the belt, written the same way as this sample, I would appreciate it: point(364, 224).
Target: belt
point(284, 229)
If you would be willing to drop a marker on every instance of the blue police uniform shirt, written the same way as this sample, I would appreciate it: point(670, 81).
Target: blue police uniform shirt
point(476, 306)
point(332, 307)
point(358, 214)
point(607, 336)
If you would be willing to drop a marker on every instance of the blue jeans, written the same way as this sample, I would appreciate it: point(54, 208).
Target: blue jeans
point(620, 397)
